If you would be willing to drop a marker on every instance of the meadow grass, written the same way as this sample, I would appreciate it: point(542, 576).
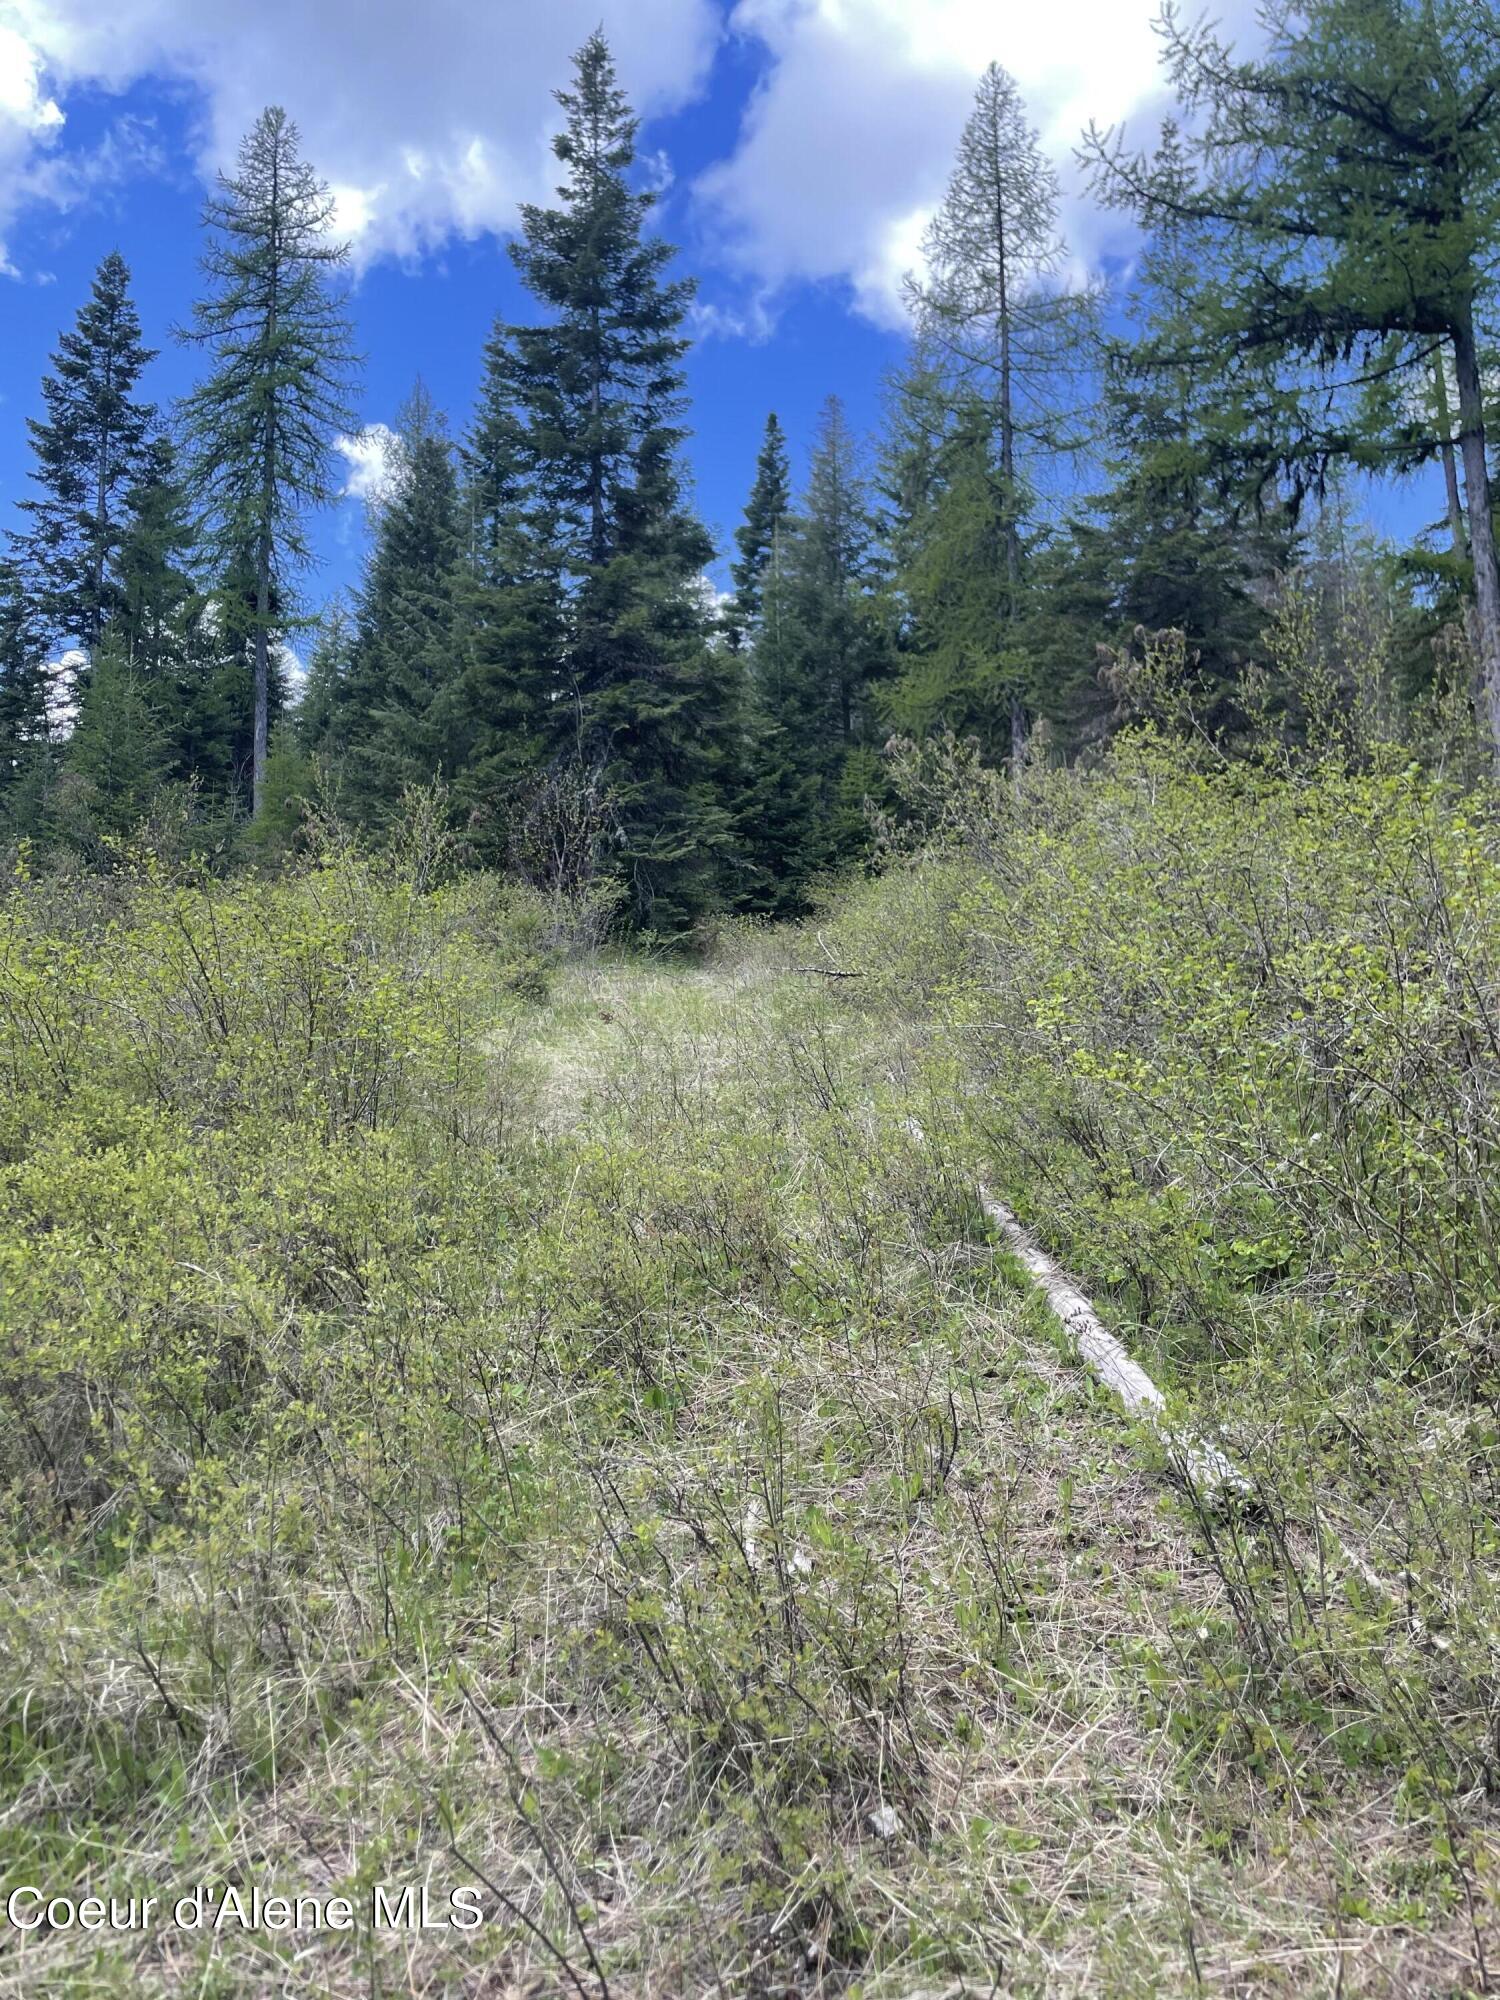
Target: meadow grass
point(474, 1417)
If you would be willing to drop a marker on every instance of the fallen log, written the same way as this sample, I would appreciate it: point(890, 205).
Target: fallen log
point(1199, 1464)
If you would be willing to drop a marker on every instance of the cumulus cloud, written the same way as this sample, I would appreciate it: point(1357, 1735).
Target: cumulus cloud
point(427, 121)
point(434, 122)
point(368, 456)
point(30, 121)
point(847, 143)
point(60, 699)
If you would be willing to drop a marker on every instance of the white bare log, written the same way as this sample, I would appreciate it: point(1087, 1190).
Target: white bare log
point(1202, 1465)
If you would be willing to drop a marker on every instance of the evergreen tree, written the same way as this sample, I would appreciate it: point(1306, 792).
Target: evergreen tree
point(818, 658)
point(1186, 548)
point(117, 757)
point(324, 710)
point(757, 536)
point(786, 809)
point(160, 619)
point(25, 732)
point(648, 703)
point(992, 307)
point(263, 421)
point(405, 652)
point(165, 631)
point(290, 783)
point(500, 717)
point(88, 454)
point(1348, 184)
point(961, 664)
point(835, 572)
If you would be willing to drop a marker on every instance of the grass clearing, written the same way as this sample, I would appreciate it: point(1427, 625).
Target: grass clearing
point(610, 1467)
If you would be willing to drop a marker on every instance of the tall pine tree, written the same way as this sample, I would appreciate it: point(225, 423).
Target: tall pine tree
point(997, 321)
point(501, 720)
point(88, 450)
point(405, 653)
point(647, 705)
point(25, 732)
point(814, 674)
point(758, 535)
point(263, 421)
point(961, 666)
point(1185, 547)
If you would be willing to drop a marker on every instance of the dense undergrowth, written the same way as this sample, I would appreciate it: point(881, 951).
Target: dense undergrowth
point(476, 1415)
point(1231, 1044)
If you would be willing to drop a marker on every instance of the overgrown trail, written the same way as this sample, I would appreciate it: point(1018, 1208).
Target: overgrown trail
point(918, 1610)
point(662, 1508)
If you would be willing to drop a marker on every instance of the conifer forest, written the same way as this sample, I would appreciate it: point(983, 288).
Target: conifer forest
point(767, 1262)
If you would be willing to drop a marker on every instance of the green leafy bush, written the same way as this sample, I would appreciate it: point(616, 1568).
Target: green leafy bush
point(1229, 1040)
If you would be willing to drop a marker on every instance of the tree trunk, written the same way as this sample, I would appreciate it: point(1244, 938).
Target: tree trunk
point(101, 526)
point(1018, 728)
point(101, 534)
point(262, 679)
point(1471, 441)
point(265, 548)
point(1457, 530)
point(1198, 1462)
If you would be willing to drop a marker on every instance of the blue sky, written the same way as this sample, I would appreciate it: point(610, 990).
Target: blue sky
point(800, 143)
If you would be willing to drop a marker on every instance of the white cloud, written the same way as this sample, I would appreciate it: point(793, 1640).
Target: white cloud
point(30, 121)
point(430, 122)
point(427, 121)
point(369, 460)
point(847, 144)
point(753, 320)
point(711, 600)
point(61, 698)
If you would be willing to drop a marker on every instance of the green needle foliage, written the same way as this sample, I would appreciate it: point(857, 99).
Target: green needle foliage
point(1069, 532)
point(88, 450)
point(262, 422)
point(758, 535)
point(24, 725)
point(814, 668)
point(501, 720)
point(1347, 196)
point(645, 703)
point(405, 654)
point(1001, 326)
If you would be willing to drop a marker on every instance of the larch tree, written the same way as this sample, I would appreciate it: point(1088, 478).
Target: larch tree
point(1347, 177)
point(263, 421)
point(88, 449)
point(1187, 546)
point(992, 304)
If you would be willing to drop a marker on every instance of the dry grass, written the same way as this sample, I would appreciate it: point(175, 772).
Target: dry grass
point(770, 1606)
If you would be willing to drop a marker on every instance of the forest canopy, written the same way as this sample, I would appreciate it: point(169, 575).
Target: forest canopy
point(1086, 507)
